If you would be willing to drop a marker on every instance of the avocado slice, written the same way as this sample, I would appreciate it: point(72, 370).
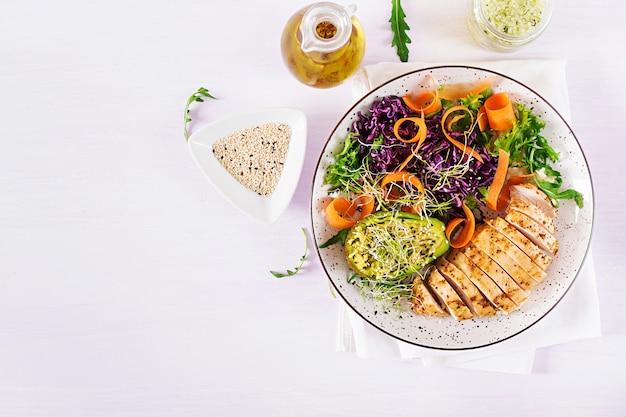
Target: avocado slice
point(393, 245)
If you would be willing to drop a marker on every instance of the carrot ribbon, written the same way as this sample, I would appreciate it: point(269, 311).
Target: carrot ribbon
point(499, 112)
point(340, 212)
point(447, 124)
point(493, 201)
point(420, 124)
point(403, 177)
point(468, 226)
point(426, 102)
point(419, 137)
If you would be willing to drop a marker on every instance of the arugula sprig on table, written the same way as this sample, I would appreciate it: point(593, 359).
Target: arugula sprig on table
point(399, 27)
point(297, 269)
point(195, 97)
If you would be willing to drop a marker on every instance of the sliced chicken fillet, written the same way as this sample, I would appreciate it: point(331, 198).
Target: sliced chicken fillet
point(533, 231)
point(424, 302)
point(526, 245)
point(497, 274)
point(466, 289)
point(448, 296)
point(514, 252)
point(532, 194)
point(534, 212)
point(483, 240)
point(489, 288)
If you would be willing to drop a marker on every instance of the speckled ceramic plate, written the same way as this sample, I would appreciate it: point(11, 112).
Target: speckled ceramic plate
point(573, 226)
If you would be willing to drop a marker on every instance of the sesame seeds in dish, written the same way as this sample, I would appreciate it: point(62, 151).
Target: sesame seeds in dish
point(255, 156)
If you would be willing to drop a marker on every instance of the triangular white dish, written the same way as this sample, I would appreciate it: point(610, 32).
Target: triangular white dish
point(266, 209)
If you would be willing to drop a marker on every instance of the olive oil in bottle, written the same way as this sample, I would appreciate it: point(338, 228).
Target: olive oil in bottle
point(323, 44)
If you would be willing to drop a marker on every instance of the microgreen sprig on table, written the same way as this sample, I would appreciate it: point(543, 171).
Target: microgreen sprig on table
point(195, 97)
point(399, 27)
point(290, 272)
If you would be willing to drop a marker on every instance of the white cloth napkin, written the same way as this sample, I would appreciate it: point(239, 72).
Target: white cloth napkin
point(576, 317)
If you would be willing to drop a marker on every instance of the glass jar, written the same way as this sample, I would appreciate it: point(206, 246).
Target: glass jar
point(507, 25)
point(323, 44)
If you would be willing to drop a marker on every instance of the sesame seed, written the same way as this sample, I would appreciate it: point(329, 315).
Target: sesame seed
point(261, 147)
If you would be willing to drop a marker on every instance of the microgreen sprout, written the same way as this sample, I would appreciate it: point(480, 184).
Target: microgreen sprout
point(392, 295)
point(440, 176)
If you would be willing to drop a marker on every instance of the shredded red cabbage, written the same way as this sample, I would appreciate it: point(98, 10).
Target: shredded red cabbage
point(438, 155)
point(379, 146)
point(383, 152)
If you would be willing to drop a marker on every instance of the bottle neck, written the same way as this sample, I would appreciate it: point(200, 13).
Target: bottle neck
point(326, 27)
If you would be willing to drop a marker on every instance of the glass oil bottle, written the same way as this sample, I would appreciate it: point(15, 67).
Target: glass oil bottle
point(323, 44)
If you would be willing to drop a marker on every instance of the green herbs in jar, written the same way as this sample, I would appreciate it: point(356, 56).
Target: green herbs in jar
point(506, 25)
point(513, 17)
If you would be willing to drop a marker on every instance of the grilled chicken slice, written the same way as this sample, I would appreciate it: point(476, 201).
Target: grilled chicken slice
point(534, 212)
point(533, 231)
point(511, 249)
point(505, 259)
point(466, 289)
point(484, 241)
point(497, 274)
point(532, 194)
point(526, 245)
point(489, 288)
point(424, 302)
point(448, 296)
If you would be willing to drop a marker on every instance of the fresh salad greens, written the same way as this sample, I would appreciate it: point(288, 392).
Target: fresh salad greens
point(436, 164)
point(346, 169)
point(531, 150)
point(399, 27)
point(449, 176)
point(371, 150)
point(195, 97)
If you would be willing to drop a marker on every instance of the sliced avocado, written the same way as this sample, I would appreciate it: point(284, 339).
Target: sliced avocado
point(392, 245)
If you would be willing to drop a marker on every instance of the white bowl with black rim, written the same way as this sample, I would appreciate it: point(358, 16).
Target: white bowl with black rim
point(574, 224)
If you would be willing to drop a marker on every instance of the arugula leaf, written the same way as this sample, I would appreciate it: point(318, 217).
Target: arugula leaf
point(297, 269)
point(339, 237)
point(399, 27)
point(195, 97)
point(550, 181)
point(525, 144)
